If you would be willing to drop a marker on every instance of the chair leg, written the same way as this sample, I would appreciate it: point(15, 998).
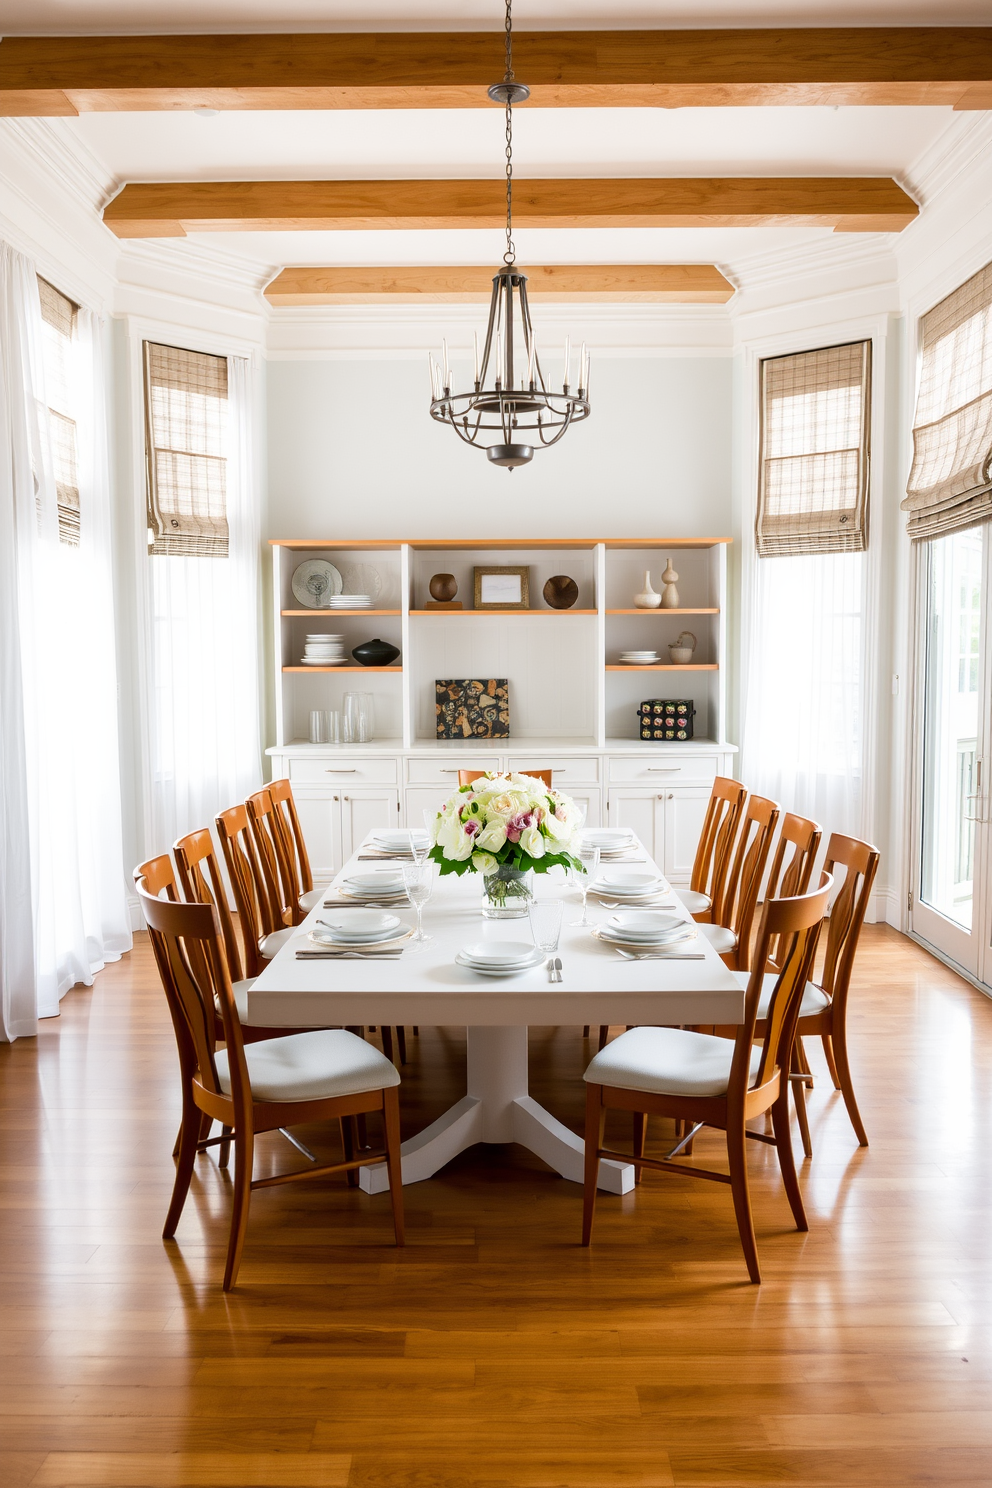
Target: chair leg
point(416, 1030)
point(401, 1042)
point(640, 1133)
point(800, 1062)
point(595, 1127)
point(361, 1128)
point(839, 1041)
point(783, 1144)
point(189, 1136)
point(798, 1084)
point(387, 1041)
point(394, 1161)
point(224, 1150)
point(604, 1033)
point(737, 1155)
point(348, 1140)
point(244, 1157)
point(828, 1054)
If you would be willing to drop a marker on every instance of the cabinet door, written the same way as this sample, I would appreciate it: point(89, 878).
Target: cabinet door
point(685, 807)
point(364, 810)
point(319, 811)
point(420, 798)
point(591, 798)
point(643, 811)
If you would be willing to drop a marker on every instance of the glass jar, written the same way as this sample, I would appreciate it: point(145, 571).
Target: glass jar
point(507, 893)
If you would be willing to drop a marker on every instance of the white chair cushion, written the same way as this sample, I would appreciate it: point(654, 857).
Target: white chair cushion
point(695, 902)
point(310, 900)
point(667, 1061)
point(269, 944)
point(720, 938)
point(310, 1066)
point(814, 998)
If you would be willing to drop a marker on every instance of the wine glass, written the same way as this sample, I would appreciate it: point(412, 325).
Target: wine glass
point(418, 878)
point(588, 856)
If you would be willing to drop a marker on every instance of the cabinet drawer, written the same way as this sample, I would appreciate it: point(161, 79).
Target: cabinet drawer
point(584, 768)
point(335, 770)
point(662, 769)
point(438, 772)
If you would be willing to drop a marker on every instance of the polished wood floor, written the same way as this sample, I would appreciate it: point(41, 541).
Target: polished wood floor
point(495, 1351)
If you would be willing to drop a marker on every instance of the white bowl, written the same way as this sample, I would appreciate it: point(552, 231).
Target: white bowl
point(629, 881)
point(499, 952)
point(359, 922)
point(537, 958)
point(385, 881)
point(645, 923)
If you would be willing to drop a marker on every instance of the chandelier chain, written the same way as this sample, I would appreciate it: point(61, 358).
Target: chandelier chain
point(510, 256)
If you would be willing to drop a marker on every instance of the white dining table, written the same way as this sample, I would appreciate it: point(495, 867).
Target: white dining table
point(428, 987)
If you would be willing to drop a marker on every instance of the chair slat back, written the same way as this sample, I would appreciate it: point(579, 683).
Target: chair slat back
point(250, 895)
point(713, 851)
point(274, 858)
point(796, 924)
point(860, 860)
point(791, 872)
point(740, 894)
point(282, 799)
point(192, 962)
point(202, 882)
point(465, 777)
point(159, 876)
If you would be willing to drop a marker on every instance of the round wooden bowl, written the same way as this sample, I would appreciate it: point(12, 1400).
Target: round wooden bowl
point(561, 592)
point(443, 587)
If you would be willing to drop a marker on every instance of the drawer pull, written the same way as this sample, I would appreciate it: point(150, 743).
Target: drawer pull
point(341, 770)
point(664, 769)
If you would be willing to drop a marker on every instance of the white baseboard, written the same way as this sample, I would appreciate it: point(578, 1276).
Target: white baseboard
point(887, 906)
point(137, 919)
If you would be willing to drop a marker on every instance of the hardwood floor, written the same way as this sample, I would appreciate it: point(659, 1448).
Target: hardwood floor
point(495, 1351)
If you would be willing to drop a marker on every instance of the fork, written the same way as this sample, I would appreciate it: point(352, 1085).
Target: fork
point(660, 955)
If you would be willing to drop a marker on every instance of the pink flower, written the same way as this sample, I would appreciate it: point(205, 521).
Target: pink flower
point(518, 824)
point(472, 827)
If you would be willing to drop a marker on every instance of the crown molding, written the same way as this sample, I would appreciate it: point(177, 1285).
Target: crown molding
point(64, 156)
point(215, 265)
point(966, 138)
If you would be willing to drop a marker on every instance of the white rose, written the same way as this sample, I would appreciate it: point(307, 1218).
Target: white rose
point(558, 831)
point(532, 842)
point(484, 862)
point(463, 848)
point(492, 836)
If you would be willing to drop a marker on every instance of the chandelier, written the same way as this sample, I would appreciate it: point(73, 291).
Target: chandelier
point(509, 393)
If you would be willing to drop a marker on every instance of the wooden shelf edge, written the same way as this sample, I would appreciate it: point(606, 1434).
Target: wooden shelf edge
point(441, 544)
point(685, 610)
point(356, 670)
point(504, 612)
point(326, 614)
point(685, 666)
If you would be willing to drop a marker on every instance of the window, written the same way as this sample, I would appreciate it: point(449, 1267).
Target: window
point(815, 412)
point(59, 320)
point(950, 483)
point(186, 416)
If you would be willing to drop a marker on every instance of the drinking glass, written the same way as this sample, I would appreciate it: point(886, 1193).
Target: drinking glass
point(333, 727)
point(419, 881)
point(588, 856)
point(545, 924)
point(318, 727)
point(358, 717)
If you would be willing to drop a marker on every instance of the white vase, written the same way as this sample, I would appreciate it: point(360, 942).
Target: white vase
point(669, 595)
point(650, 599)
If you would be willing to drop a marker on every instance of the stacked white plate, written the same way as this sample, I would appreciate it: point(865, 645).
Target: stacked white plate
point(629, 883)
point(350, 602)
point(501, 958)
point(611, 844)
point(345, 927)
point(323, 650)
point(383, 885)
point(398, 840)
point(646, 928)
point(633, 658)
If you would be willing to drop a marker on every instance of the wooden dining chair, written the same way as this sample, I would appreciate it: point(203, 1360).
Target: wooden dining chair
point(273, 857)
point(792, 866)
point(823, 1010)
point(325, 1075)
point(263, 931)
point(465, 777)
point(729, 931)
point(714, 848)
point(286, 821)
point(702, 1080)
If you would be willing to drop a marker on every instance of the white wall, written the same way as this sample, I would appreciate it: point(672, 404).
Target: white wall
point(353, 453)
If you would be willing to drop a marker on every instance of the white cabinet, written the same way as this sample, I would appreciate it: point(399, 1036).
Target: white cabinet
point(667, 822)
point(336, 821)
point(363, 811)
point(643, 811)
point(591, 798)
point(420, 798)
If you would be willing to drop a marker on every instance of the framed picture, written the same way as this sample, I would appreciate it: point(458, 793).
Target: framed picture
point(502, 588)
point(472, 708)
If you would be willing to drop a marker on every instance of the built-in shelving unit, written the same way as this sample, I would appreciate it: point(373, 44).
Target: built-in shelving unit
point(567, 684)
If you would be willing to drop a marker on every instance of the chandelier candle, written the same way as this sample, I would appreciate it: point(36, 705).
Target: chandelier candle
point(498, 401)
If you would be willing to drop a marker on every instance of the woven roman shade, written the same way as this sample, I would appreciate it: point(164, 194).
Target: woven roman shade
point(59, 316)
point(186, 430)
point(814, 452)
point(950, 483)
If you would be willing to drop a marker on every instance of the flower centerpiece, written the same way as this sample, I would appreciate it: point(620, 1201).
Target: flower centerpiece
point(506, 827)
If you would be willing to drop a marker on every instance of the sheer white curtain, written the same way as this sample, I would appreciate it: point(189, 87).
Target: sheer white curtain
point(63, 910)
point(203, 696)
point(803, 680)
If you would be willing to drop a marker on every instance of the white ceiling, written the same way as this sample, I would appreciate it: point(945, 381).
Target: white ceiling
point(35, 17)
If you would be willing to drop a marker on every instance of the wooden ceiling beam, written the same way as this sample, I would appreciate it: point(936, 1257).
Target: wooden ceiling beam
point(918, 65)
point(174, 209)
point(685, 284)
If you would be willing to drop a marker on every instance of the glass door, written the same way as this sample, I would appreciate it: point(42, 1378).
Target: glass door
point(950, 900)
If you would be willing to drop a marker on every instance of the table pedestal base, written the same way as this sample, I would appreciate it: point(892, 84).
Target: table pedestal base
point(497, 1108)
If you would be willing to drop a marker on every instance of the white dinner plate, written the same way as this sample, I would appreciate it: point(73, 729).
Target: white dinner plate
point(686, 931)
point(606, 837)
point(537, 957)
point(359, 921)
point(644, 924)
point(628, 881)
point(386, 881)
point(499, 952)
point(323, 936)
point(400, 839)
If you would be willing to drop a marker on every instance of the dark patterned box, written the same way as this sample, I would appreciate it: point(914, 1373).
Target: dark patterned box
point(665, 719)
point(472, 708)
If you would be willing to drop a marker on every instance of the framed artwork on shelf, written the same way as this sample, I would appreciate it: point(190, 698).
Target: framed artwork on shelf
point(502, 588)
point(472, 708)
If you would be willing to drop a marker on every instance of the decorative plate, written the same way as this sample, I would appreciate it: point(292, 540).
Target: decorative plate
point(362, 578)
point(314, 582)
